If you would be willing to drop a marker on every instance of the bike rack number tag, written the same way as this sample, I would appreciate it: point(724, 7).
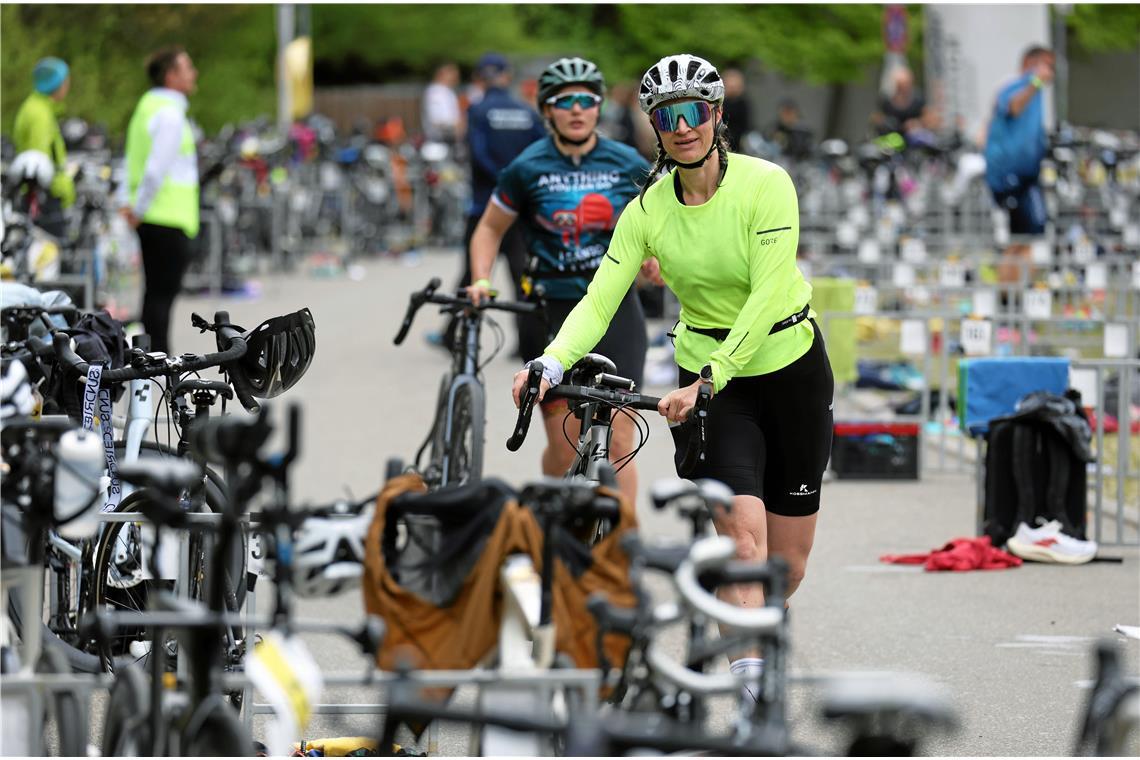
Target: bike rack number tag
point(1116, 340)
point(977, 336)
point(866, 300)
point(912, 337)
point(903, 275)
point(1040, 252)
point(1084, 251)
point(1096, 276)
point(952, 274)
point(913, 250)
point(985, 302)
point(869, 251)
point(1039, 303)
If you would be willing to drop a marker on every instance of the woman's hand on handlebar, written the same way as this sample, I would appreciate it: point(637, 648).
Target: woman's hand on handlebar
point(520, 386)
point(480, 291)
point(677, 405)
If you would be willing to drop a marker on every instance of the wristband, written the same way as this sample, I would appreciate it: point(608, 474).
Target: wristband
point(552, 370)
point(1036, 81)
point(482, 282)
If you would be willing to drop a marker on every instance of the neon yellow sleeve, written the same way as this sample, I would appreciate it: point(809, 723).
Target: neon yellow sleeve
point(590, 319)
point(771, 272)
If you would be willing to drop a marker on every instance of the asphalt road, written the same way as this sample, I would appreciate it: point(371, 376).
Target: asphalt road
point(1012, 647)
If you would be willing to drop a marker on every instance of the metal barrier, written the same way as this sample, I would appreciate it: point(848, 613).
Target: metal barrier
point(1115, 522)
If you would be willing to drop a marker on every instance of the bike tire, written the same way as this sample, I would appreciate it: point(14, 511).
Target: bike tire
point(215, 730)
point(126, 727)
point(134, 596)
point(70, 719)
point(465, 448)
point(83, 658)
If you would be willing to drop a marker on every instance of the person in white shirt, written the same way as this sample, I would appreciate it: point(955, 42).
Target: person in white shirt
point(441, 114)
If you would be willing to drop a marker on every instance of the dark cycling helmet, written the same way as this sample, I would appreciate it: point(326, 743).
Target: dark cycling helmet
point(568, 71)
point(279, 351)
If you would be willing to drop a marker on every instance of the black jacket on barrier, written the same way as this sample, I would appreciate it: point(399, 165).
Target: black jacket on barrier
point(1035, 466)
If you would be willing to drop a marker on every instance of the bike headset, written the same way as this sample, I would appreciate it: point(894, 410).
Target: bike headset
point(680, 77)
point(278, 353)
point(563, 73)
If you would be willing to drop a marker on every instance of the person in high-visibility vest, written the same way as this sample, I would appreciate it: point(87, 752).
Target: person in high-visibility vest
point(37, 128)
point(162, 186)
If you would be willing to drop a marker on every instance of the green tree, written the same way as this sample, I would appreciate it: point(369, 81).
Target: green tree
point(1105, 28)
point(106, 47)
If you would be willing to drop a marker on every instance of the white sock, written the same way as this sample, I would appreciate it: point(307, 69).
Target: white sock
point(753, 669)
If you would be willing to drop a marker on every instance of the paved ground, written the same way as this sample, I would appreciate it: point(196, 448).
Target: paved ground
point(1012, 646)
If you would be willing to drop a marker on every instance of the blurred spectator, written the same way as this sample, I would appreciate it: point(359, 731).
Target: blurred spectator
point(737, 109)
point(441, 117)
point(902, 111)
point(617, 116)
point(1015, 146)
point(36, 128)
point(528, 92)
point(794, 139)
point(499, 127)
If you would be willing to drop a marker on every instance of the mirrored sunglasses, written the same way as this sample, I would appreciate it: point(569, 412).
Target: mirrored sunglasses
point(694, 112)
point(584, 100)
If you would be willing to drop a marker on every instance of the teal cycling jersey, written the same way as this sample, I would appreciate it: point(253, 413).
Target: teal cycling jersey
point(569, 209)
point(731, 262)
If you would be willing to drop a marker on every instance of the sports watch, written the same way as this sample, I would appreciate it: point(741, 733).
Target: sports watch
point(706, 375)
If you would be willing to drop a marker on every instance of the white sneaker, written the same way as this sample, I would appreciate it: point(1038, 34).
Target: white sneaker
point(1048, 544)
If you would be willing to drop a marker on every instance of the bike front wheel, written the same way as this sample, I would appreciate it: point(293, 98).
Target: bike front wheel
point(465, 444)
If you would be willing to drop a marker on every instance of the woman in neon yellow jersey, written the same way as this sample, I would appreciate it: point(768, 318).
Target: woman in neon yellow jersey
point(724, 228)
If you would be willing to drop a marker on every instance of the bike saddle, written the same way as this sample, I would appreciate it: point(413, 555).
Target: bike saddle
point(168, 475)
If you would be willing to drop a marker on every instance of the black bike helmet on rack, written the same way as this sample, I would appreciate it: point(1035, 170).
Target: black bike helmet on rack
point(279, 351)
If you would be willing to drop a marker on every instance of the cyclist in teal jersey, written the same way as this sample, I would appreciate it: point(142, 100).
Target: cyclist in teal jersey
point(567, 190)
point(725, 233)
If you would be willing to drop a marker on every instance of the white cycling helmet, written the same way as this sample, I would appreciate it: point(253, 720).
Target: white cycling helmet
point(676, 77)
point(32, 166)
point(16, 397)
point(328, 554)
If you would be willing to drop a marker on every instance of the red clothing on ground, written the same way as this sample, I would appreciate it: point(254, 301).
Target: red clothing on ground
point(959, 555)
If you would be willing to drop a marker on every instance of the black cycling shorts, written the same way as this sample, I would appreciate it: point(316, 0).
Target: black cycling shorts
point(769, 435)
point(624, 343)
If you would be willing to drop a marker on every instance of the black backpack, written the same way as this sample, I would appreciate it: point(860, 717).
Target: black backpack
point(99, 338)
point(1035, 466)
